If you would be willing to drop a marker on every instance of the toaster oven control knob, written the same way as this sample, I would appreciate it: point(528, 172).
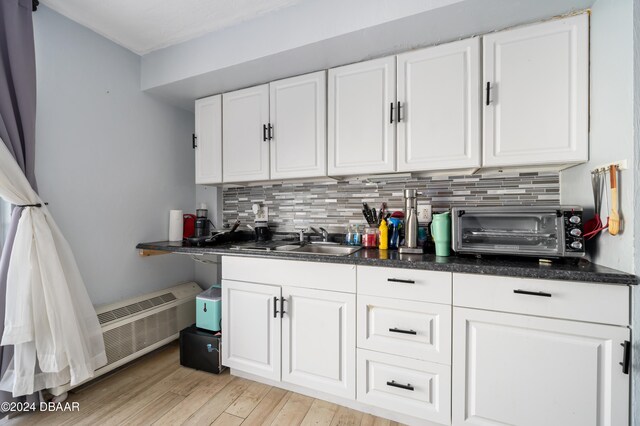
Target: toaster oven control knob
point(576, 245)
point(574, 219)
point(575, 232)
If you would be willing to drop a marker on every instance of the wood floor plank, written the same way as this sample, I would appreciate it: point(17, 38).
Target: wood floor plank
point(226, 419)
point(370, 420)
point(216, 405)
point(320, 413)
point(347, 417)
point(293, 411)
point(155, 409)
point(250, 398)
point(192, 403)
point(267, 409)
point(197, 378)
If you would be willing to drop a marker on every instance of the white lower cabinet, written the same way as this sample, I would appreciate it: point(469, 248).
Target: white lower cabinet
point(511, 369)
point(416, 388)
point(430, 348)
point(251, 341)
point(319, 340)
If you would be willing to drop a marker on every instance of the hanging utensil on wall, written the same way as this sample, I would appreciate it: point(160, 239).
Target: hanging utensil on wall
point(594, 226)
point(614, 216)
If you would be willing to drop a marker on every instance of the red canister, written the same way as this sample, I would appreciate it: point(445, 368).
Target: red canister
point(189, 226)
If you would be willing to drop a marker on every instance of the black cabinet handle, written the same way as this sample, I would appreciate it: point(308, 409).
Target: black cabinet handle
point(399, 330)
point(488, 89)
point(264, 133)
point(532, 293)
point(398, 280)
point(626, 358)
point(270, 131)
point(399, 385)
point(193, 140)
point(391, 114)
point(282, 311)
point(275, 307)
point(399, 112)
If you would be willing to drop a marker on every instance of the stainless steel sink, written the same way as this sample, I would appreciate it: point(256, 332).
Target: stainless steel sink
point(325, 250)
point(319, 248)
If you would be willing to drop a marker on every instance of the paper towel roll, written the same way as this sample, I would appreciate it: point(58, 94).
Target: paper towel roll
point(175, 225)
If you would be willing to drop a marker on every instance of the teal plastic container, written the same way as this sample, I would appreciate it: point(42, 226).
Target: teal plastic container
point(209, 309)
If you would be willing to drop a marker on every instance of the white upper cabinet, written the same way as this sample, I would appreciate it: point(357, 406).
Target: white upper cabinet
point(208, 140)
point(245, 139)
point(361, 121)
point(299, 119)
point(439, 105)
point(536, 85)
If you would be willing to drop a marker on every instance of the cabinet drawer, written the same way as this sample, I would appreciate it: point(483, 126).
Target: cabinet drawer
point(416, 388)
point(413, 329)
point(411, 284)
point(321, 276)
point(602, 303)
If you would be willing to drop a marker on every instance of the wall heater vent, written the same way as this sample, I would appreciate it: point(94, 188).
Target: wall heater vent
point(134, 327)
point(134, 308)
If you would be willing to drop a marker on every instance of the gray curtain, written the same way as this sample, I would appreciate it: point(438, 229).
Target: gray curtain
point(17, 124)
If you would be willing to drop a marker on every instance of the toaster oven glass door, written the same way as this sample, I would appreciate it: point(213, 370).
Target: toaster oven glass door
point(527, 232)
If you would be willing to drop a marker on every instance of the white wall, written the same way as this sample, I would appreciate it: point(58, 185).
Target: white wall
point(111, 160)
point(611, 126)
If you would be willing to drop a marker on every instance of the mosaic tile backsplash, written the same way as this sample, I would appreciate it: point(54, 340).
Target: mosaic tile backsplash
point(334, 205)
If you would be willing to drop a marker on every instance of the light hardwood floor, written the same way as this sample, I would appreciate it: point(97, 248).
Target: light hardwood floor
point(158, 390)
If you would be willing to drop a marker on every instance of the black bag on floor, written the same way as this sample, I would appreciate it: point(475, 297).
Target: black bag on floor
point(201, 350)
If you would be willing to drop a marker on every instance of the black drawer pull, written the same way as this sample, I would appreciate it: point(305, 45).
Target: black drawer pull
point(626, 358)
point(398, 280)
point(275, 307)
point(401, 386)
point(488, 90)
point(264, 132)
point(399, 330)
point(532, 293)
point(282, 312)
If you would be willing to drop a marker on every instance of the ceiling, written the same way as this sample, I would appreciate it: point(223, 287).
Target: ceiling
point(146, 25)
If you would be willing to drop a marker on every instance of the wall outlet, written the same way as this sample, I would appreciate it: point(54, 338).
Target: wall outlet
point(424, 213)
point(262, 214)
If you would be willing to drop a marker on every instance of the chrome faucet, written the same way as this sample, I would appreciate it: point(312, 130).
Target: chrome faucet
point(323, 232)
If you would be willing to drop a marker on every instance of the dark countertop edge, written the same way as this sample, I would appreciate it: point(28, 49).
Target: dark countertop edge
point(615, 278)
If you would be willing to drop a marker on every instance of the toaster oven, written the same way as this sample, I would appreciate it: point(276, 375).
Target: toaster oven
point(521, 231)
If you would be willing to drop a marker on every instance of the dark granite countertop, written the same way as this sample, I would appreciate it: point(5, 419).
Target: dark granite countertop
point(503, 266)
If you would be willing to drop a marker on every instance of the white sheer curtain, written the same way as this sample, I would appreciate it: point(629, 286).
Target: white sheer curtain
point(5, 217)
point(49, 317)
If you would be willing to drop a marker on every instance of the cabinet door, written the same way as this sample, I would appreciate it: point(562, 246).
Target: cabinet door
point(537, 109)
point(362, 118)
point(298, 115)
point(251, 338)
point(319, 340)
point(439, 101)
point(245, 142)
point(209, 140)
point(521, 370)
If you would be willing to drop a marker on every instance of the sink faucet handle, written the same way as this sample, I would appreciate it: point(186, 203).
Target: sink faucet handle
point(325, 234)
point(301, 232)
